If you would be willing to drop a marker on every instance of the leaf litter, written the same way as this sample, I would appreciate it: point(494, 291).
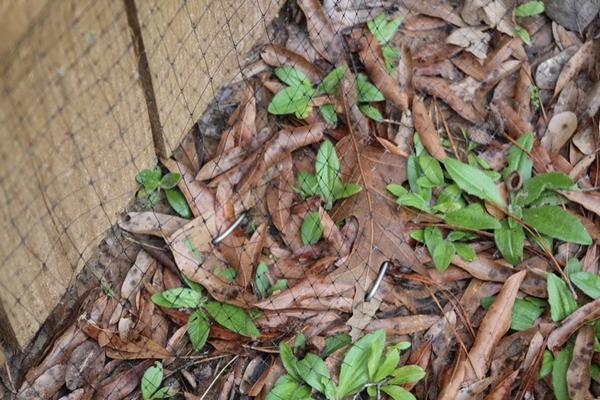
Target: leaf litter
point(467, 159)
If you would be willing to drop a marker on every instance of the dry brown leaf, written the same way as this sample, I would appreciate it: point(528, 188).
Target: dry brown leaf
point(572, 323)
point(249, 254)
point(151, 223)
point(503, 389)
point(325, 39)
point(404, 325)
point(121, 385)
point(547, 72)
point(427, 132)
point(199, 198)
point(589, 200)
point(470, 65)
point(436, 8)
point(560, 129)
point(85, 365)
point(45, 386)
point(142, 269)
point(277, 56)
point(579, 375)
point(474, 40)
point(242, 125)
point(573, 66)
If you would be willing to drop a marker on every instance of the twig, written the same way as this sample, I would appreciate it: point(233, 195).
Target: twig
point(212, 383)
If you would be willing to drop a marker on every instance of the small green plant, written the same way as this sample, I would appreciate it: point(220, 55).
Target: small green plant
point(384, 30)
point(151, 384)
point(263, 283)
point(229, 316)
point(367, 365)
point(153, 181)
point(529, 9)
point(534, 94)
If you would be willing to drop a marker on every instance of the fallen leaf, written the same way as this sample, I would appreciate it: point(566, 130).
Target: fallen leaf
point(324, 38)
point(474, 40)
point(572, 323)
point(560, 129)
point(141, 269)
point(84, 366)
point(548, 71)
point(121, 385)
point(503, 388)
point(574, 15)
point(427, 132)
point(152, 223)
point(589, 200)
point(404, 325)
point(436, 8)
point(578, 374)
point(573, 66)
point(278, 56)
point(46, 385)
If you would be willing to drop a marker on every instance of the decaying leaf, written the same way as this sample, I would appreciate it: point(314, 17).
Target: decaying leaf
point(560, 129)
point(427, 132)
point(578, 374)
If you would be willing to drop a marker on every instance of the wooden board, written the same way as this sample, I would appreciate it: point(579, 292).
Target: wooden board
point(74, 131)
point(193, 48)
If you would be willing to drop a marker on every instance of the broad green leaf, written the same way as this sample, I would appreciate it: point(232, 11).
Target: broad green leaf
point(525, 312)
point(432, 169)
point(595, 371)
point(424, 182)
point(561, 300)
point(559, 373)
point(473, 216)
point(510, 241)
point(547, 362)
point(232, 317)
point(292, 76)
point(177, 298)
point(170, 180)
point(461, 235)
point(523, 34)
point(346, 190)
point(397, 392)
point(152, 198)
point(407, 374)
point(529, 9)
point(390, 55)
point(377, 24)
point(178, 202)
point(329, 114)
point(152, 380)
point(573, 266)
point(473, 181)
point(382, 29)
point(534, 94)
point(262, 279)
point(336, 342)
point(465, 251)
point(536, 185)
point(418, 234)
point(331, 80)
point(396, 189)
point(413, 200)
point(418, 143)
point(557, 223)
point(312, 369)
point(291, 100)
point(164, 393)
point(327, 166)
point(442, 254)
point(279, 285)
point(432, 237)
point(371, 112)
point(229, 273)
point(401, 346)
point(149, 178)
point(198, 329)
point(191, 284)
point(375, 355)
point(288, 388)
point(354, 371)
point(390, 362)
point(367, 92)
point(312, 229)
point(518, 160)
point(450, 199)
point(587, 282)
point(300, 341)
point(289, 361)
point(412, 173)
point(308, 184)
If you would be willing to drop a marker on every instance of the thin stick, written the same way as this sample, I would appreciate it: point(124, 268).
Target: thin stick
point(212, 383)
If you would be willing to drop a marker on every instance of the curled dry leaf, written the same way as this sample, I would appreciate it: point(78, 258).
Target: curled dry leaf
point(325, 39)
point(572, 323)
point(589, 200)
point(560, 129)
point(578, 374)
point(573, 66)
point(427, 132)
point(277, 56)
point(142, 269)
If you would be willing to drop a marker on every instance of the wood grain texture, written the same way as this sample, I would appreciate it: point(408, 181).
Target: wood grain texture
point(193, 48)
point(74, 131)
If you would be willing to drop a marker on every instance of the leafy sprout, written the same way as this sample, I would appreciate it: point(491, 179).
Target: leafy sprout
point(153, 181)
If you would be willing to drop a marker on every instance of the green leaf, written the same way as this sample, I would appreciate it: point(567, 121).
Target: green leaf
point(595, 371)
point(375, 358)
point(229, 273)
point(396, 189)
point(151, 380)
point(329, 114)
point(432, 169)
point(346, 190)
point(192, 285)
point(377, 24)
point(397, 392)
point(461, 235)
point(291, 100)
point(330, 82)
point(534, 94)
point(232, 317)
point(525, 312)
point(418, 235)
point(529, 9)
point(178, 202)
point(289, 361)
point(450, 199)
point(354, 371)
point(559, 373)
point(432, 237)
point(335, 342)
point(312, 369)
point(557, 223)
point(288, 388)
point(390, 55)
point(424, 182)
point(177, 298)
point(465, 251)
point(562, 302)
point(170, 180)
point(401, 346)
point(523, 34)
point(164, 393)
point(327, 166)
point(413, 200)
point(279, 285)
point(312, 229)
point(367, 92)
point(262, 279)
point(442, 254)
point(152, 199)
point(573, 266)
point(149, 178)
point(382, 29)
point(371, 112)
point(510, 242)
point(407, 374)
point(547, 362)
point(587, 282)
point(198, 329)
point(472, 216)
point(293, 76)
point(300, 341)
point(309, 185)
point(473, 181)
point(389, 364)
point(536, 185)
point(412, 173)
point(518, 160)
